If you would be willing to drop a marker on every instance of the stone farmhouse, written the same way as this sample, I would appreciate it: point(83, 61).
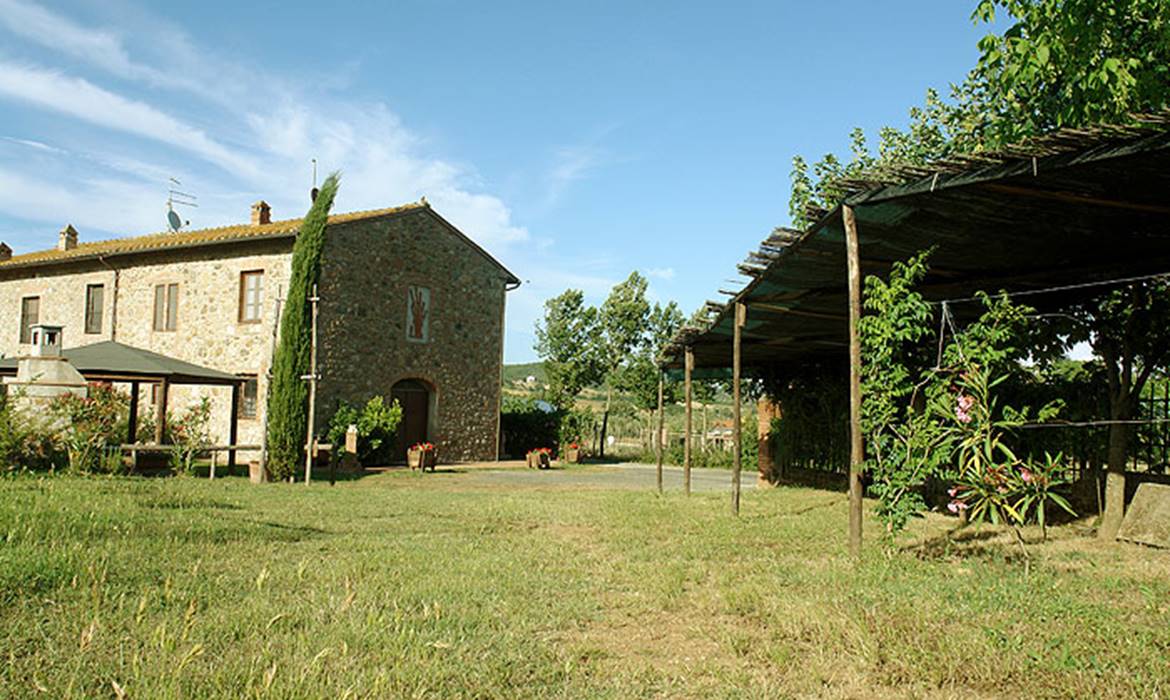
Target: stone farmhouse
point(410, 309)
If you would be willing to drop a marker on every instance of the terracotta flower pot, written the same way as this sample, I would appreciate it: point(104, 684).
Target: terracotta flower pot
point(574, 455)
point(421, 459)
point(539, 460)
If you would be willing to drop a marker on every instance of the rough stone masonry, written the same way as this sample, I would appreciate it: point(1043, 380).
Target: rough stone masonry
point(405, 296)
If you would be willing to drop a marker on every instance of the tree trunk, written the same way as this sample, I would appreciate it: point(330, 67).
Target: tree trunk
point(1120, 410)
point(605, 421)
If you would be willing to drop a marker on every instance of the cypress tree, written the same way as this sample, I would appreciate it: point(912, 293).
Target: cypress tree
point(288, 397)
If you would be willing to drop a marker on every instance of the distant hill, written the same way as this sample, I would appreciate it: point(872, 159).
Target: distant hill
point(520, 372)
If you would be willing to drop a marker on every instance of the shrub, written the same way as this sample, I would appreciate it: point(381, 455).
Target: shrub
point(377, 428)
point(92, 423)
point(190, 435)
point(525, 425)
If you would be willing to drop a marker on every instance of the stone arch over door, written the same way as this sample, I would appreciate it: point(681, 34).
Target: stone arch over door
point(418, 400)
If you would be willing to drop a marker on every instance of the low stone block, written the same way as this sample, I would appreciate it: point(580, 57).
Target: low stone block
point(1148, 519)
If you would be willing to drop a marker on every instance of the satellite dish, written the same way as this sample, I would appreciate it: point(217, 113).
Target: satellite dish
point(174, 197)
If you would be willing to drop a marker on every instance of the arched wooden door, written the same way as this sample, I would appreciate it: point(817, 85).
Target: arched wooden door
point(415, 398)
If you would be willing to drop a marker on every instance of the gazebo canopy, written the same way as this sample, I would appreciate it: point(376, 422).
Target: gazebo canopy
point(113, 361)
point(1080, 205)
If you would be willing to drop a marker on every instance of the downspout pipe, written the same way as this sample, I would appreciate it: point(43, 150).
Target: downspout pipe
point(114, 303)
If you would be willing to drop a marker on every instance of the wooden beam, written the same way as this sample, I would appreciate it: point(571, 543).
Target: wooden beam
point(661, 420)
point(132, 423)
point(234, 428)
point(780, 308)
point(1075, 198)
point(740, 319)
point(689, 364)
point(160, 411)
point(856, 447)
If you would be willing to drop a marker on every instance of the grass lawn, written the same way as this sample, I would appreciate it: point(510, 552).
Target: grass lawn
point(445, 585)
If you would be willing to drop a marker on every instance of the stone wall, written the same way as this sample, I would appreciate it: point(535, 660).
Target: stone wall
point(208, 331)
point(368, 268)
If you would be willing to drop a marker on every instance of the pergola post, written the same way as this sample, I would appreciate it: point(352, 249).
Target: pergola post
point(233, 429)
point(689, 368)
point(661, 421)
point(160, 411)
point(132, 422)
point(856, 447)
point(740, 318)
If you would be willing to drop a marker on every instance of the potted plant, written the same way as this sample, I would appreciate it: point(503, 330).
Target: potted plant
point(574, 454)
point(422, 456)
point(540, 458)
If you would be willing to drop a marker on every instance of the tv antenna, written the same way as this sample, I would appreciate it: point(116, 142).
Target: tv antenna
point(175, 198)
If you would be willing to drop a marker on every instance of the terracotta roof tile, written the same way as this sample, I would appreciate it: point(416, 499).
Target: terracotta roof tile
point(187, 239)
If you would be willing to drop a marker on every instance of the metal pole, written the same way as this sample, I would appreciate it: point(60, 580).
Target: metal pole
point(740, 318)
point(312, 390)
point(661, 447)
point(856, 447)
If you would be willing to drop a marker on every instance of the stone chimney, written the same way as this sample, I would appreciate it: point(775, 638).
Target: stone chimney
point(261, 213)
point(67, 239)
point(5, 252)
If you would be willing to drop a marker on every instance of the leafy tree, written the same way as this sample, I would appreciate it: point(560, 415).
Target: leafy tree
point(1129, 329)
point(624, 317)
point(288, 395)
point(565, 340)
point(639, 377)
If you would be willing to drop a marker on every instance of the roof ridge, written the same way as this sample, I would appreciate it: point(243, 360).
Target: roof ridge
point(213, 234)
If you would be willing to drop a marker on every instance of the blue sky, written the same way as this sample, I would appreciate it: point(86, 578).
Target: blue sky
point(575, 141)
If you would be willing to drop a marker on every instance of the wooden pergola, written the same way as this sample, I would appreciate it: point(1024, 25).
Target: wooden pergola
point(110, 361)
point(1075, 207)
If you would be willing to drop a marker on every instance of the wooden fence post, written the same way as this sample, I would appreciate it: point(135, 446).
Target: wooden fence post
point(740, 319)
point(690, 368)
point(856, 447)
point(661, 421)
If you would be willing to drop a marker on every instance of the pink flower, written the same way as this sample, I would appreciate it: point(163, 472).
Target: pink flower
point(1026, 476)
point(963, 408)
point(956, 506)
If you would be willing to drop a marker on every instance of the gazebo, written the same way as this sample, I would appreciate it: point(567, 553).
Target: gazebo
point(111, 361)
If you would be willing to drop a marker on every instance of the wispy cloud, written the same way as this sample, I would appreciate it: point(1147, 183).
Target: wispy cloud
point(81, 99)
point(662, 273)
point(254, 136)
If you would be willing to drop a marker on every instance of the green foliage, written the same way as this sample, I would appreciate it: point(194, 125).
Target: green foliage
point(190, 434)
point(916, 428)
point(26, 443)
point(288, 394)
point(904, 444)
point(377, 429)
point(91, 424)
point(566, 339)
point(576, 426)
point(994, 484)
point(526, 426)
